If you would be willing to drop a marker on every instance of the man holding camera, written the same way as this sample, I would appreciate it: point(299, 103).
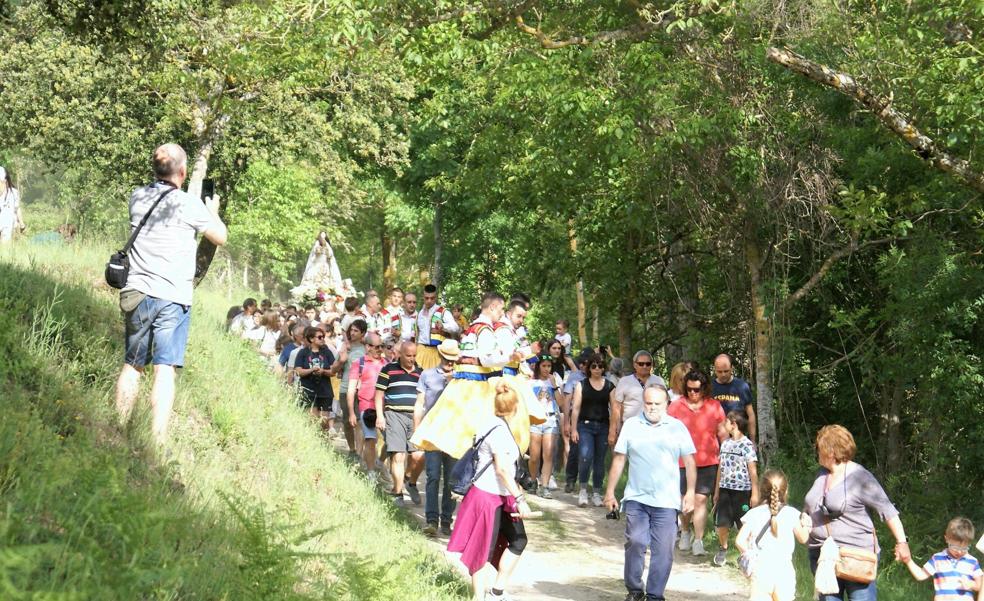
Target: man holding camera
point(156, 301)
point(654, 443)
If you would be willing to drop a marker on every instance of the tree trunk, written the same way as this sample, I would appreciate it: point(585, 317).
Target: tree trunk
point(625, 329)
point(245, 274)
point(208, 124)
point(389, 266)
point(768, 438)
point(684, 273)
point(582, 317)
point(438, 245)
point(595, 338)
point(891, 430)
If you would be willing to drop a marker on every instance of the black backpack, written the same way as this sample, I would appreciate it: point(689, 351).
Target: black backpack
point(466, 471)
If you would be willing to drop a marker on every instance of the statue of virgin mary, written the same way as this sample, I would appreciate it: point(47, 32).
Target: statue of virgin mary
point(321, 271)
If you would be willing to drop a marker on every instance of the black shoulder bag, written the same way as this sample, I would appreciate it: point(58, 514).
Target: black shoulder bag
point(118, 267)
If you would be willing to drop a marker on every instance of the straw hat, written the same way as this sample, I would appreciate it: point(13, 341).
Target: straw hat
point(449, 350)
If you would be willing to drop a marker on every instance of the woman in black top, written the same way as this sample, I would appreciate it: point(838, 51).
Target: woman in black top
point(314, 366)
point(594, 400)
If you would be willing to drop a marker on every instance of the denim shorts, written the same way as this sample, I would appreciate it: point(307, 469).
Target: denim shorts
point(366, 432)
point(156, 332)
point(551, 426)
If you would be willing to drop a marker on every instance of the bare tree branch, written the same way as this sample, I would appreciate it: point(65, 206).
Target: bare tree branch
point(834, 257)
point(648, 24)
point(893, 119)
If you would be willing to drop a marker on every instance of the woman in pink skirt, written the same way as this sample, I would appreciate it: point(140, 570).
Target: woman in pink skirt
point(485, 531)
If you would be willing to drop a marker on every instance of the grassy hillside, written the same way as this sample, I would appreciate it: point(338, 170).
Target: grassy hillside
point(247, 502)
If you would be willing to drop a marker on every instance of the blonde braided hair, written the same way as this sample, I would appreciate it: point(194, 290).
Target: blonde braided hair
point(775, 487)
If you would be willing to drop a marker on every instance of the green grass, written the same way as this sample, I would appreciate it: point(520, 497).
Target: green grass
point(246, 503)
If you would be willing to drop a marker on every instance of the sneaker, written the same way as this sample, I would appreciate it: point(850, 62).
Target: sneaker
point(685, 541)
point(414, 493)
point(544, 493)
point(503, 597)
point(398, 501)
point(597, 500)
point(446, 529)
point(569, 486)
point(552, 484)
point(430, 529)
point(582, 498)
point(635, 597)
point(720, 557)
point(698, 548)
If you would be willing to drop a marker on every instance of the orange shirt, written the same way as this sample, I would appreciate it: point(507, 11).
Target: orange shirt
point(703, 427)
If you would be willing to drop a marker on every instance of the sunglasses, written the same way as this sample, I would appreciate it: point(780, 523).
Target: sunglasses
point(832, 513)
point(546, 358)
point(690, 389)
point(596, 366)
point(319, 337)
point(644, 363)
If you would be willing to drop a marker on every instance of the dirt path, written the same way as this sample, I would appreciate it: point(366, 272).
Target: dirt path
point(576, 554)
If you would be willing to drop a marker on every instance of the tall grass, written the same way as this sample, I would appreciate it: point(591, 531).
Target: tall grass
point(246, 503)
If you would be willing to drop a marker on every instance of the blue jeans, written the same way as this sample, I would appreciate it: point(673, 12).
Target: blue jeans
point(592, 447)
point(434, 463)
point(654, 528)
point(156, 331)
point(849, 591)
point(573, 457)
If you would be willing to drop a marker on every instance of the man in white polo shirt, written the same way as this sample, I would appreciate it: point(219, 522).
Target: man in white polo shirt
point(628, 391)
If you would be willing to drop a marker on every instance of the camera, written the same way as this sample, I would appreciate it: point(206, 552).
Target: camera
point(523, 477)
point(208, 188)
point(613, 514)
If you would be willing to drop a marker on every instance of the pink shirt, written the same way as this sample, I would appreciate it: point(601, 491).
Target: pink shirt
point(366, 376)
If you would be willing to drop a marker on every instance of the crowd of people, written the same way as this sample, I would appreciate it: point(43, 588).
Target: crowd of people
point(433, 386)
point(414, 387)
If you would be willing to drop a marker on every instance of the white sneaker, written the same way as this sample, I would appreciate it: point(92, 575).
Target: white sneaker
point(685, 541)
point(552, 483)
point(582, 498)
point(597, 500)
point(698, 548)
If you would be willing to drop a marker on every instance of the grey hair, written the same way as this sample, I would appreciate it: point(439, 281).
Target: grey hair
point(658, 387)
point(616, 366)
point(169, 159)
point(642, 353)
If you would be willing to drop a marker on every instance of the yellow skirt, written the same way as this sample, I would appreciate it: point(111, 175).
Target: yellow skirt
point(427, 356)
point(451, 425)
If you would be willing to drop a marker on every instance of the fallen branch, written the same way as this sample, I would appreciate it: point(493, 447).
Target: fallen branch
point(899, 123)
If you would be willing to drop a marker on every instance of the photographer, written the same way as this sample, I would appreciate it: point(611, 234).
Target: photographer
point(156, 301)
point(654, 443)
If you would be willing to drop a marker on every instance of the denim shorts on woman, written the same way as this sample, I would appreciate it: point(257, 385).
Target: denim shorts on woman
point(551, 426)
point(156, 332)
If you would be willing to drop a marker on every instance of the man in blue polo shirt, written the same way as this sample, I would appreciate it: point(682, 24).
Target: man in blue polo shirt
point(654, 443)
point(396, 395)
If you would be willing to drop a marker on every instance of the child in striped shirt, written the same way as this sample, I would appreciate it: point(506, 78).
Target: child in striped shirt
point(956, 574)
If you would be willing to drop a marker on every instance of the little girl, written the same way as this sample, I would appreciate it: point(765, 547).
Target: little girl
point(736, 488)
point(773, 525)
point(543, 437)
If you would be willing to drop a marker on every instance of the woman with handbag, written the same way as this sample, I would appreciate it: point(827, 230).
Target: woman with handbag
point(837, 506)
point(486, 533)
